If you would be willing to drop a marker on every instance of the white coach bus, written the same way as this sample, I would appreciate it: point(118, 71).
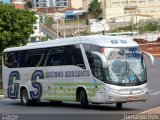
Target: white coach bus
point(86, 69)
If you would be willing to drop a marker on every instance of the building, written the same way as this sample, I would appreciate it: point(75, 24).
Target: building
point(40, 3)
point(76, 3)
point(50, 3)
point(20, 4)
point(37, 32)
point(117, 8)
point(62, 3)
point(57, 3)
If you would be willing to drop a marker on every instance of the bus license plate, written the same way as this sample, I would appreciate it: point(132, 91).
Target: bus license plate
point(131, 98)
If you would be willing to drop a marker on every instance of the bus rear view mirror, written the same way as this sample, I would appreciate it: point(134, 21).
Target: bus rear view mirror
point(150, 57)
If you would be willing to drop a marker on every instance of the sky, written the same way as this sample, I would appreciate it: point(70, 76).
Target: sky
point(6, 1)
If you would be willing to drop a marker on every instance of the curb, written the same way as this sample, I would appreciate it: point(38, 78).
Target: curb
point(155, 110)
point(1, 96)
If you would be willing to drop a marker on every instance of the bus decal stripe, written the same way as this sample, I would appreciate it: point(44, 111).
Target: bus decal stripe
point(13, 87)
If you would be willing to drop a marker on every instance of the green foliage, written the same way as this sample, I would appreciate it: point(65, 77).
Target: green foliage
point(84, 33)
point(143, 27)
point(33, 39)
point(49, 21)
point(15, 26)
point(95, 8)
point(149, 27)
point(46, 38)
point(126, 28)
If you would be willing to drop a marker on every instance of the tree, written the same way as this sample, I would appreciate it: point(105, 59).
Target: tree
point(28, 4)
point(16, 26)
point(149, 27)
point(95, 8)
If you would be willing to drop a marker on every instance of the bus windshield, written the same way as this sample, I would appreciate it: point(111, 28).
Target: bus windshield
point(125, 66)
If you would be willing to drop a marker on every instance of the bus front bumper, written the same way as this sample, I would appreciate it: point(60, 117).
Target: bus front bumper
point(112, 97)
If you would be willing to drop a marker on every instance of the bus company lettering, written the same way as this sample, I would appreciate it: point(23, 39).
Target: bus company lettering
point(84, 73)
point(54, 74)
point(62, 74)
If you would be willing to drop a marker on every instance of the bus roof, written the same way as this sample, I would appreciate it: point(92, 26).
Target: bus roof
point(101, 40)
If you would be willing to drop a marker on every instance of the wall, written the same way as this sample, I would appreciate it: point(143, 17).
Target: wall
point(76, 3)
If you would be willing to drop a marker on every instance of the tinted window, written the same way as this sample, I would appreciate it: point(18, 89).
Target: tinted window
point(78, 58)
point(94, 60)
point(56, 57)
point(97, 70)
point(65, 55)
point(90, 47)
point(96, 66)
point(32, 57)
point(11, 59)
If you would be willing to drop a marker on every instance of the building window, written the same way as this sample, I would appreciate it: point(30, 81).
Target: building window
point(116, 4)
point(124, 3)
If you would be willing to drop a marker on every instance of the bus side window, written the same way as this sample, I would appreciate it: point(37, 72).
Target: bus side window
point(96, 66)
point(94, 61)
point(33, 57)
point(10, 59)
point(69, 58)
point(61, 56)
point(78, 58)
point(55, 57)
point(65, 55)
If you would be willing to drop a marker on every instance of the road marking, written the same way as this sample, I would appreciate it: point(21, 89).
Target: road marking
point(155, 93)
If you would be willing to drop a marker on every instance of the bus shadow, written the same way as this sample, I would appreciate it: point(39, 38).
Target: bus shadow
point(105, 107)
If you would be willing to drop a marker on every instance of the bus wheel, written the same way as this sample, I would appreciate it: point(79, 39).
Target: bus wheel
point(119, 105)
point(24, 97)
point(83, 99)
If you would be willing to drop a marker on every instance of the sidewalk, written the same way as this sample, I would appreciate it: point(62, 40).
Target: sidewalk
point(1, 96)
point(152, 111)
point(151, 114)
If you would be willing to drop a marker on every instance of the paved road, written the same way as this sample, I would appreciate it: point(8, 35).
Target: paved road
point(70, 111)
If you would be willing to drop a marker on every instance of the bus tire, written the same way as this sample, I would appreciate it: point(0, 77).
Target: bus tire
point(119, 105)
point(83, 99)
point(24, 97)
